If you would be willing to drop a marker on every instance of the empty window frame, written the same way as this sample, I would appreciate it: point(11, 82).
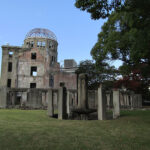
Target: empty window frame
point(52, 60)
point(39, 44)
point(33, 55)
point(9, 66)
point(33, 71)
point(32, 44)
point(32, 85)
point(43, 44)
point(50, 45)
point(10, 53)
point(9, 83)
point(51, 81)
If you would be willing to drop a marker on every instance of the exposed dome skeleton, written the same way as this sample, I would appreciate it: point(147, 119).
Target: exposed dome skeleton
point(41, 33)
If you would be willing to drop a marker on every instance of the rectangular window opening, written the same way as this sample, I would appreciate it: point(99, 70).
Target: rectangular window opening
point(9, 83)
point(32, 85)
point(33, 55)
point(9, 66)
point(43, 44)
point(51, 81)
point(10, 54)
point(32, 44)
point(34, 71)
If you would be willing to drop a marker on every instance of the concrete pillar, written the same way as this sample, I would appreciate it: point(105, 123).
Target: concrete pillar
point(13, 98)
point(50, 103)
point(3, 97)
point(24, 99)
point(62, 112)
point(83, 91)
point(101, 104)
point(68, 103)
point(127, 99)
point(44, 99)
point(75, 100)
point(108, 100)
point(121, 100)
point(116, 104)
point(139, 97)
point(96, 99)
point(131, 99)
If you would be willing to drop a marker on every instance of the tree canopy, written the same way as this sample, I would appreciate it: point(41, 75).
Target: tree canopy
point(99, 8)
point(124, 36)
point(96, 75)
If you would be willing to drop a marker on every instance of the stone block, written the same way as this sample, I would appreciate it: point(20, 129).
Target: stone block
point(116, 104)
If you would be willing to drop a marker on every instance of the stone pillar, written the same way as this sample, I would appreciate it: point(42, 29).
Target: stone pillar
point(13, 98)
point(139, 97)
point(101, 104)
point(96, 99)
point(24, 99)
point(127, 97)
point(68, 103)
point(121, 99)
point(75, 100)
point(62, 114)
point(83, 91)
point(108, 100)
point(44, 99)
point(3, 97)
point(116, 104)
point(50, 103)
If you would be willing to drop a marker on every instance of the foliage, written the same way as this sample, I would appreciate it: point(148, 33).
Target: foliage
point(124, 36)
point(99, 8)
point(96, 74)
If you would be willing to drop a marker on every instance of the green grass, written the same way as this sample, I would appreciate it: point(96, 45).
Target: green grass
point(34, 130)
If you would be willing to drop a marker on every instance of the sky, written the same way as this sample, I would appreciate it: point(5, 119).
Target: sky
point(76, 32)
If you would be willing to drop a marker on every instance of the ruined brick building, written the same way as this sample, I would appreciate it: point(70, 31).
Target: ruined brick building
point(34, 65)
point(28, 71)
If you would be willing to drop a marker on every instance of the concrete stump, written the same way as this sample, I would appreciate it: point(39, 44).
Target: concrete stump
point(101, 104)
point(68, 103)
point(116, 104)
point(24, 99)
point(50, 103)
point(83, 91)
point(3, 97)
point(108, 99)
point(62, 112)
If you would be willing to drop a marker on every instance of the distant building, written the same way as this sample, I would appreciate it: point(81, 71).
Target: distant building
point(30, 71)
point(35, 65)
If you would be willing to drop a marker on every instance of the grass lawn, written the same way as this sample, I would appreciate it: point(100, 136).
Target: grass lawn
point(34, 130)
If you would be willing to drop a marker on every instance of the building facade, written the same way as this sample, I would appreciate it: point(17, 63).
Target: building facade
point(35, 65)
point(30, 71)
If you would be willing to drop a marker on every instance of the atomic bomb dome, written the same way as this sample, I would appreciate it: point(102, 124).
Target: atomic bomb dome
point(41, 33)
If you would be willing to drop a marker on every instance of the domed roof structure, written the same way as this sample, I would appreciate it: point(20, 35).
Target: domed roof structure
point(41, 33)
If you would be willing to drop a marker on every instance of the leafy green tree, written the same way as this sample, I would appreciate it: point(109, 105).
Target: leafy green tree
point(96, 75)
point(124, 36)
point(99, 8)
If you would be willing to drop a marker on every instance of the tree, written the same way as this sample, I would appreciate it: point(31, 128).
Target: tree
point(99, 8)
point(125, 35)
point(96, 75)
point(120, 39)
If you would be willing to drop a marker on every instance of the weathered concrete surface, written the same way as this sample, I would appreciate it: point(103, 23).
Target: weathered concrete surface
point(116, 104)
point(82, 92)
point(50, 103)
point(34, 99)
point(68, 102)
point(62, 110)
point(101, 104)
point(3, 97)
